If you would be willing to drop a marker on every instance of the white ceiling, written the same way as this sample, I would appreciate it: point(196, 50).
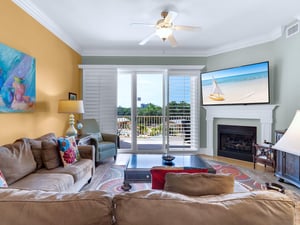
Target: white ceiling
point(103, 27)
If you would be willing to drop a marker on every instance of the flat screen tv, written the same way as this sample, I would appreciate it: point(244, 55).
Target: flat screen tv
point(247, 84)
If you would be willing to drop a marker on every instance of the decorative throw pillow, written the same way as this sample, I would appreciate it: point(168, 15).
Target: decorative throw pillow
point(36, 148)
point(50, 154)
point(97, 136)
point(198, 184)
point(158, 174)
point(16, 160)
point(2, 180)
point(68, 150)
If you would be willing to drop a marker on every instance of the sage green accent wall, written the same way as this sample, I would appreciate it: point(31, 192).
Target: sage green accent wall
point(283, 55)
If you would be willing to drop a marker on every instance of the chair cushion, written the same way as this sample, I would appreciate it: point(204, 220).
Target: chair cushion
point(16, 160)
point(198, 184)
point(106, 145)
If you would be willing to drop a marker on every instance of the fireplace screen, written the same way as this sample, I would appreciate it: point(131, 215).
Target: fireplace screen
point(236, 141)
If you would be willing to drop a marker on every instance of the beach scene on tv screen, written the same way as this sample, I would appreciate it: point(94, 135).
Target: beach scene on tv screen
point(240, 85)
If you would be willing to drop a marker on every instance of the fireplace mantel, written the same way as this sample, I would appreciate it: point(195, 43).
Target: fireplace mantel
point(263, 113)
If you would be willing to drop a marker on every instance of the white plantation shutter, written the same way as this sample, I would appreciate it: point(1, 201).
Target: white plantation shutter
point(184, 86)
point(195, 111)
point(100, 97)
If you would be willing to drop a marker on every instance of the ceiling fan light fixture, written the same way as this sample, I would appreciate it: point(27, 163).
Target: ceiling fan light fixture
point(164, 32)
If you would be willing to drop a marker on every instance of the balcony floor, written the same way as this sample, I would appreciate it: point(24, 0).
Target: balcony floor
point(153, 142)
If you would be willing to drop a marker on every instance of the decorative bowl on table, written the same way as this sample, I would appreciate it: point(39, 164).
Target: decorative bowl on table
point(168, 158)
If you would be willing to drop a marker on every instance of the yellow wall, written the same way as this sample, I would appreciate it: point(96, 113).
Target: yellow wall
point(57, 74)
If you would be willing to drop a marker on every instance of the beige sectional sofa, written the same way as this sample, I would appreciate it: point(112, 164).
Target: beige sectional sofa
point(149, 207)
point(35, 164)
point(41, 191)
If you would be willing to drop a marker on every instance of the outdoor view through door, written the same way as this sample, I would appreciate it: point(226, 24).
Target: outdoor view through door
point(158, 111)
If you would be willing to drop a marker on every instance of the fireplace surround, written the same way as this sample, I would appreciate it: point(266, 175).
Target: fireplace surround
point(263, 113)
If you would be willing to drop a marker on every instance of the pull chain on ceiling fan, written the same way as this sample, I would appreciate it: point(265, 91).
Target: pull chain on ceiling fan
point(165, 27)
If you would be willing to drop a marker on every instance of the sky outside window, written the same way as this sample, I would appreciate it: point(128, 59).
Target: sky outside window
point(149, 89)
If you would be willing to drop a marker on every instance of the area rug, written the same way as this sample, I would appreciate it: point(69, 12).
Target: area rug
point(113, 176)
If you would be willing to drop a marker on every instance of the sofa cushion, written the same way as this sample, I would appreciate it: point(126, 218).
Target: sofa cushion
point(198, 184)
point(47, 182)
point(20, 207)
point(36, 148)
point(2, 180)
point(47, 137)
point(158, 174)
point(68, 150)
point(16, 160)
point(50, 155)
point(151, 207)
point(78, 170)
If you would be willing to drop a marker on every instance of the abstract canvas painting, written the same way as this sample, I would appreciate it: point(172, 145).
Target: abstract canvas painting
point(17, 81)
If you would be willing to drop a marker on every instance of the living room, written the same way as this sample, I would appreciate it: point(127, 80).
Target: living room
point(57, 74)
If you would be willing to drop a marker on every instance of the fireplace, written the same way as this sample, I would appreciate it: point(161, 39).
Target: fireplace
point(236, 141)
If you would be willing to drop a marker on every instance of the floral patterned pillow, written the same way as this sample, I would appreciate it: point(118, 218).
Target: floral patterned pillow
point(68, 150)
point(2, 180)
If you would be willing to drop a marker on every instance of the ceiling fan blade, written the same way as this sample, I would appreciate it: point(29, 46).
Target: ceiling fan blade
point(187, 28)
point(172, 40)
point(142, 25)
point(171, 16)
point(146, 39)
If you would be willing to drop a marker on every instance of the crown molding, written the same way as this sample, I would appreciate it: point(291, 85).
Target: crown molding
point(187, 52)
point(246, 43)
point(45, 21)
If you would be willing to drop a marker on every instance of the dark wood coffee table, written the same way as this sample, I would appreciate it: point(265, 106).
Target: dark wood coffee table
point(139, 165)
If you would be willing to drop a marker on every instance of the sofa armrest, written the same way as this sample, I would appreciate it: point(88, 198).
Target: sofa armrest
point(109, 137)
point(87, 152)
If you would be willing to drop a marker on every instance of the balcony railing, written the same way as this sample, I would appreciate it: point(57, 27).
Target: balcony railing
point(153, 125)
point(150, 129)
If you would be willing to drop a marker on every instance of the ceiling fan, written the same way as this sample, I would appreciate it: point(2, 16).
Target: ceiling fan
point(165, 27)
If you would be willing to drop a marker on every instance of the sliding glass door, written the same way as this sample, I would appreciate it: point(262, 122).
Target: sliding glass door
point(141, 111)
point(149, 111)
point(158, 111)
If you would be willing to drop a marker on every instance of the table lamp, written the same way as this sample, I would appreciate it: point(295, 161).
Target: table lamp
point(71, 107)
point(290, 141)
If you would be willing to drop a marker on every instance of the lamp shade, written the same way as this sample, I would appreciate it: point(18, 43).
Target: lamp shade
point(290, 141)
point(70, 106)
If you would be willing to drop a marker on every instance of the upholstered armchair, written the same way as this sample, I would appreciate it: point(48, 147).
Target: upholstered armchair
point(105, 144)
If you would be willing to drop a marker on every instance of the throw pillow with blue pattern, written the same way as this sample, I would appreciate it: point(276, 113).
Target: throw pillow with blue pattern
point(68, 150)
